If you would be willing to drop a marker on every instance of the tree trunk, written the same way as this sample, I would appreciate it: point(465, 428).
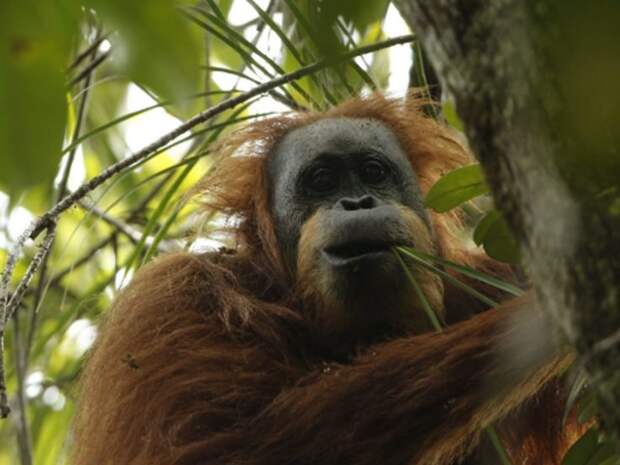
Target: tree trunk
point(536, 85)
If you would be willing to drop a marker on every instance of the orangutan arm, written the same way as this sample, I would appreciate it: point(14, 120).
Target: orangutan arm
point(169, 383)
point(422, 399)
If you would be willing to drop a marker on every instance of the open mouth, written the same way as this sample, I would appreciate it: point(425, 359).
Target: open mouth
point(357, 249)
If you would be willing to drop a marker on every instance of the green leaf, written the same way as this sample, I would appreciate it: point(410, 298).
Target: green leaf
point(380, 65)
point(48, 446)
point(456, 187)
point(155, 45)
point(577, 388)
point(412, 253)
point(588, 407)
point(494, 235)
point(583, 450)
point(36, 40)
point(605, 452)
point(449, 112)
point(430, 313)
point(470, 272)
point(361, 13)
point(613, 460)
point(225, 6)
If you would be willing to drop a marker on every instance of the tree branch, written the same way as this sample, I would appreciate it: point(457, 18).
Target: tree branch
point(132, 233)
point(202, 117)
point(48, 220)
point(10, 304)
point(62, 185)
point(548, 152)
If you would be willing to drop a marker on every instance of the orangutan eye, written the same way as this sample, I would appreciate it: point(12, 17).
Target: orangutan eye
point(373, 172)
point(322, 179)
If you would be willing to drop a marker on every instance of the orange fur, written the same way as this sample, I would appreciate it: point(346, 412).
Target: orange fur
point(211, 360)
point(239, 186)
point(316, 284)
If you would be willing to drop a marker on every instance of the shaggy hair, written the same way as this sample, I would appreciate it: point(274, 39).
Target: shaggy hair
point(210, 360)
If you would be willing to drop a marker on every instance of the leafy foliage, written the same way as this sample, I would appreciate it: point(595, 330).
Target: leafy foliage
point(590, 449)
point(92, 81)
point(173, 71)
point(465, 184)
point(455, 188)
point(493, 234)
point(36, 39)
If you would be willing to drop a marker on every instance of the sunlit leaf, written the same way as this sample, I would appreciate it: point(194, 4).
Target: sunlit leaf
point(456, 187)
point(379, 67)
point(449, 112)
point(49, 446)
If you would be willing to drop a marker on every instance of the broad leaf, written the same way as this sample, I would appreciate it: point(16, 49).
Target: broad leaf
point(583, 450)
point(361, 13)
point(449, 112)
point(36, 40)
point(456, 187)
point(606, 453)
point(154, 44)
point(494, 235)
point(589, 451)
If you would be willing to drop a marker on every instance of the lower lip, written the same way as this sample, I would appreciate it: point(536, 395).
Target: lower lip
point(356, 259)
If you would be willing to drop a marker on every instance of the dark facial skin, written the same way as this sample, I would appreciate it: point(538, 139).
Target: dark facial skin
point(355, 169)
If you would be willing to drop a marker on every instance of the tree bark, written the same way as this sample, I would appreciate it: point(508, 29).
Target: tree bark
point(535, 83)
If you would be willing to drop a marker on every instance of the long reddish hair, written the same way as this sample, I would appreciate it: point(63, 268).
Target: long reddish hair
point(239, 186)
point(193, 367)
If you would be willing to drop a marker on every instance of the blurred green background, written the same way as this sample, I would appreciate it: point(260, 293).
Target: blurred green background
point(85, 83)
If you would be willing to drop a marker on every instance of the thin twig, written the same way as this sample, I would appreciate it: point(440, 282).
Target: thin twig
point(11, 304)
point(62, 187)
point(122, 227)
point(81, 117)
point(50, 216)
point(286, 101)
point(9, 267)
point(91, 48)
point(57, 278)
point(202, 117)
point(24, 438)
point(48, 220)
point(89, 69)
point(134, 214)
point(132, 233)
point(282, 98)
point(44, 221)
point(489, 430)
point(250, 23)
